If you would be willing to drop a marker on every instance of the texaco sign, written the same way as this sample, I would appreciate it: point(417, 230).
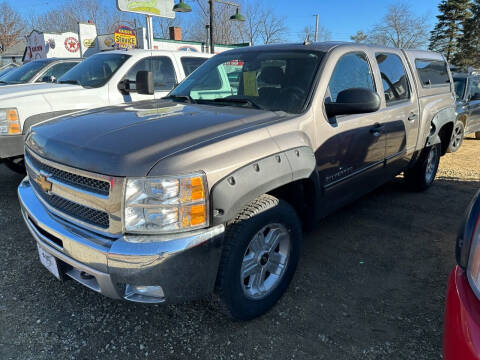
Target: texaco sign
point(72, 45)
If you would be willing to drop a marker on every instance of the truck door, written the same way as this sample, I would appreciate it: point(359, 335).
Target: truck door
point(164, 77)
point(350, 162)
point(474, 105)
point(401, 111)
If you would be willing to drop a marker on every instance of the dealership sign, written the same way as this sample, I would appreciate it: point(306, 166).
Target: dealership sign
point(125, 38)
point(162, 8)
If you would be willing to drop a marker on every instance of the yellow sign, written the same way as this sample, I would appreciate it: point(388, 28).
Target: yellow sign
point(250, 83)
point(89, 43)
point(125, 38)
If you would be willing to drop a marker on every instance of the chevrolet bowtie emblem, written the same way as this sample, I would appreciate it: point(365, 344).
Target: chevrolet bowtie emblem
point(43, 182)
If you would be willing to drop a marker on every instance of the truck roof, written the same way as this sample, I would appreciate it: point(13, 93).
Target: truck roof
point(330, 45)
point(142, 52)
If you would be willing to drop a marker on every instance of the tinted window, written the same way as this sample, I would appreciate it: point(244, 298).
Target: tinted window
point(57, 70)
point(94, 71)
point(432, 72)
point(474, 87)
point(164, 77)
point(394, 77)
point(190, 64)
point(24, 73)
point(460, 84)
point(351, 71)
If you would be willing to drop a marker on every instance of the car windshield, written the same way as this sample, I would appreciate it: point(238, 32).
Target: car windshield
point(94, 71)
point(3, 72)
point(460, 85)
point(24, 73)
point(269, 79)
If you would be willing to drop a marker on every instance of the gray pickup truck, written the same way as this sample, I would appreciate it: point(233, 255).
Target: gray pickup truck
point(210, 189)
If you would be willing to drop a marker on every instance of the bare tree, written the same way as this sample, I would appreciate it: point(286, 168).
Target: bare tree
point(272, 28)
point(11, 27)
point(323, 33)
point(401, 28)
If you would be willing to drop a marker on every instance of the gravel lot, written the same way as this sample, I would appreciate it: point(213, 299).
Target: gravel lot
point(370, 285)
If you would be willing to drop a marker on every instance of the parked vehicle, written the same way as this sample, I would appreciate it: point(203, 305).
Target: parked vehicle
point(461, 337)
point(212, 187)
point(7, 68)
point(102, 79)
point(39, 71)
point(467, 88)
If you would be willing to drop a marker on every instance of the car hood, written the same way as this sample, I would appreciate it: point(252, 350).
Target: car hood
point(129, 140)
point(19, 90)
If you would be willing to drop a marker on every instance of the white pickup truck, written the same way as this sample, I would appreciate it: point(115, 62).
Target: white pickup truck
point(103, 79)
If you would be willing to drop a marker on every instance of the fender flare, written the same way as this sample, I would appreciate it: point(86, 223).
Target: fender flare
point(230, 195)
point(443, 117)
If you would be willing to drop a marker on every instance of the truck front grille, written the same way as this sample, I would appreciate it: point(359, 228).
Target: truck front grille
point(77, 211)
point(91, 200)
point(96, 186)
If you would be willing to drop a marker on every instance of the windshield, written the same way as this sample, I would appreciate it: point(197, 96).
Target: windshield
point(460, 85)
point(269, 80)
point(24, 73)
point(94, 71)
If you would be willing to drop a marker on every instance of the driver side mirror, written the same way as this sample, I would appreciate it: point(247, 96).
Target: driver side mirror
point(354, 101)
point(144, 83)
point(48, 79)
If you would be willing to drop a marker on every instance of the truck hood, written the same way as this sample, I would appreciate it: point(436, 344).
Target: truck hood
point(20, 90)
point(129, 140)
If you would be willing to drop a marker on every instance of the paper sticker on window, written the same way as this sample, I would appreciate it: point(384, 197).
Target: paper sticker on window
point(250, 83)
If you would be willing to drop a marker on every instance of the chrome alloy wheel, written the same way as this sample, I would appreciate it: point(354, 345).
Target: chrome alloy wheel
point(265, 261)
point(431, 165)
point(457, 137)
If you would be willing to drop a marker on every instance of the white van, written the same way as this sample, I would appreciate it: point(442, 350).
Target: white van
point(103, 79)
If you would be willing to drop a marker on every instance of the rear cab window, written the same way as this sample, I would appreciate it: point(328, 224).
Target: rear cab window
point(190, 64)
point(396, 85)
point(432, 72)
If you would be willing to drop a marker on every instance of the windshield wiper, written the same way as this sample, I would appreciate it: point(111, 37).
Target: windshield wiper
point(244, 101)
point(185, 98)
point(73, 82)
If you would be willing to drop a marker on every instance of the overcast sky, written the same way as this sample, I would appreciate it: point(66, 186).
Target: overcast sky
point(341, 17)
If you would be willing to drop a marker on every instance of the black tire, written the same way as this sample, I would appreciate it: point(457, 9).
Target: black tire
point(477, 135)
point(458, 134)
point(422, 175)
point(264, 211)
point(16, 164)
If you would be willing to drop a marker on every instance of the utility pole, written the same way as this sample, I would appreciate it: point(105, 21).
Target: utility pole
point(316, 27)
point(212, 42)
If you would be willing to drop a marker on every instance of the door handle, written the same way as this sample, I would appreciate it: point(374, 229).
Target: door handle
point(377, 129)
point(412, 116)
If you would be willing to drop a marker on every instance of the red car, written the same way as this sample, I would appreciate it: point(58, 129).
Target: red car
point(461, 339)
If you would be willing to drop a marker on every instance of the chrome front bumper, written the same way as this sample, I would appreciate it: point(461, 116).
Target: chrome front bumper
point(184, 265)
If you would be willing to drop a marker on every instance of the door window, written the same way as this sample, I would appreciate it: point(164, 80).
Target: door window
point(394, 78)
point(432, 72)
point(57, 70)
point(351, 71)
point(474, 89)
point(190, 64)
point(164, 77)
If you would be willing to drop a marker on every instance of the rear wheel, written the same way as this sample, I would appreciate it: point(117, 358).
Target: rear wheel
point(457, 137)
point(16, 164)
point(260, 255)
point(422, 175)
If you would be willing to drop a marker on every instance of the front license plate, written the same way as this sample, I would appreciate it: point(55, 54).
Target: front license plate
point(48, 261)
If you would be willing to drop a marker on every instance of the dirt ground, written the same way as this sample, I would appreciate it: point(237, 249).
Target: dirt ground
point(370, 285)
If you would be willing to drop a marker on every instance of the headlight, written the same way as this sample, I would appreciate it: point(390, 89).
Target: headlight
point(166, 204)
point(9, 122)
point(473, 268)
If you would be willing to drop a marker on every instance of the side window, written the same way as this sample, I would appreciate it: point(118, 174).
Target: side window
point(432, 72)
point(394, 78)
point(474, 91)
point(164, 76)
point(351, 71)
point(190, 64)
point(57, 70)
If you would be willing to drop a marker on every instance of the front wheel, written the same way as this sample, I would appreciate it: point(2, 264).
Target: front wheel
point(422, 175)
point(260, 255)
point(457, 137)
